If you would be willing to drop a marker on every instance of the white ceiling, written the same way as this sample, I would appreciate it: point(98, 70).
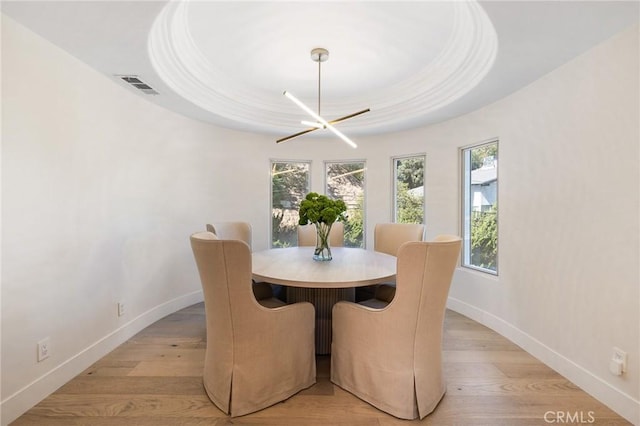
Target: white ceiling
point(413, 63)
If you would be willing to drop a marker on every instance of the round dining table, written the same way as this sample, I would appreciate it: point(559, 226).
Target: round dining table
point(322, 283)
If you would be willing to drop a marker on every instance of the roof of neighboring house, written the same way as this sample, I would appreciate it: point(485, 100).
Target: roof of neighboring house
point(417, 191)
point(484, 175)
point(487, 173)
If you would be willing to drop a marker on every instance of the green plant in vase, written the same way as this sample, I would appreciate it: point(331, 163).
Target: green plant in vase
point(322, 212)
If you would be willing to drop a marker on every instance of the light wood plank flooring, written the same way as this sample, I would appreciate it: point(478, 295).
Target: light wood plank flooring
point(154, 379)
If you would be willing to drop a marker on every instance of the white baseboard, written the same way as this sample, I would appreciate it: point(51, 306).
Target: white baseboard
point(15, 405)
point(618, 401)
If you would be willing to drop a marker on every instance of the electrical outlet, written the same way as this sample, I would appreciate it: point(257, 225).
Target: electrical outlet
point(120, 309)
point(620, 357)
point(43, 349)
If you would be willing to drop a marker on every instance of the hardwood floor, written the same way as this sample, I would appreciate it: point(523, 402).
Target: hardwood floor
point(154, 379)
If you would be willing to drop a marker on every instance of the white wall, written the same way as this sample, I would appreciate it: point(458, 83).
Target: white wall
point(568, 289)
point(569, 186)
point(100, 190)
point(569, 220)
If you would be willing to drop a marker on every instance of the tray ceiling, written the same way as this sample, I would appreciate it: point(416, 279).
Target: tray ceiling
point(412, 63)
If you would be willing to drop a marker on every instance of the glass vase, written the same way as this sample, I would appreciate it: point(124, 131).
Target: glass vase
point(322, 251)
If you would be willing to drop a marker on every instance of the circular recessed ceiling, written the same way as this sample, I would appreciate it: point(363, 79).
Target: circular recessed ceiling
point(402, 60)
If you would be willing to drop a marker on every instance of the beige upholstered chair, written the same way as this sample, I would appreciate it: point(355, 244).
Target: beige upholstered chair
point(263, 292)
point(307, 235)
point(387, 238)
point(232, 231)
point(255, 356)
point(392, 357)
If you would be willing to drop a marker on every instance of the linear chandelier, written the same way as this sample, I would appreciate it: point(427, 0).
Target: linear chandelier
point(319, 55)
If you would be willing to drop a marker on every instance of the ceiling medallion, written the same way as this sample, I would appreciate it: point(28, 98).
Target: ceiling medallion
point(319, 55)
point(191, 68)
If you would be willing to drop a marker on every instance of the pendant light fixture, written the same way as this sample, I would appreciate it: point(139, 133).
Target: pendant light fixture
point(319, 55)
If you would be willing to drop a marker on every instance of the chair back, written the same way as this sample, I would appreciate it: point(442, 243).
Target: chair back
point(388, 237)
point(307, 235)
point(222, 265)
point(244, 369)
point(424, 274)
point(405, 336)
point(232, 231)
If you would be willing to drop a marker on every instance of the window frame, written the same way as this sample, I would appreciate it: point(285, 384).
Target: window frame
point(394, 186)
point(364, 190)
point(273, 161)
point(465, 206)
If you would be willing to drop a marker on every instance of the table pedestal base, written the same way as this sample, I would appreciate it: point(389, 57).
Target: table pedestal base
point(323, 300)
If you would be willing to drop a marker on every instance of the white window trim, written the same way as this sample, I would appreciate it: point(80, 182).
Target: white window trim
point(270, 189)
point(464, 216)
point(394, 180)
point(364, 191)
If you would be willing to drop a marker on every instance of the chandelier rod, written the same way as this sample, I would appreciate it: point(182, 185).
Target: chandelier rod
point(319, 79)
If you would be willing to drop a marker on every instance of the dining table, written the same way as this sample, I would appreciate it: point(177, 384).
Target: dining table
point(323, 283)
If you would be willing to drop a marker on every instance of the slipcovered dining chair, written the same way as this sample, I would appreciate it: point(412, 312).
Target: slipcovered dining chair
point(387, 238)
point(392, 357)
point(264, 293)
point(232, 231)
point(307, 235)
point(255, 356)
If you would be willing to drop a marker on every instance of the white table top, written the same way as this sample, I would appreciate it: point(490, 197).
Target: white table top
point(350, 267)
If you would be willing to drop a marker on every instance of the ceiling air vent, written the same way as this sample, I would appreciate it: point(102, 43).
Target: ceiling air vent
point(138, 84)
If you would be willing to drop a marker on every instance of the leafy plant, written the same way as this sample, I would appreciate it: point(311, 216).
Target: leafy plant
point(354, 226)
point(484, 238)
point(411, 171)
point(321, 209)
point(410, 207)
point(479, 154)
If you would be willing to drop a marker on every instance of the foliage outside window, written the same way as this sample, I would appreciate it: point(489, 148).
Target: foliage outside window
point(289, 184)
point(480, 207)
point(345, 181)
point(408, 190)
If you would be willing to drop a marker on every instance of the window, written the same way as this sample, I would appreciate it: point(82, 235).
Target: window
point(290, 183)
point(345, 181)
point(480, 207)
point(408, 189)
